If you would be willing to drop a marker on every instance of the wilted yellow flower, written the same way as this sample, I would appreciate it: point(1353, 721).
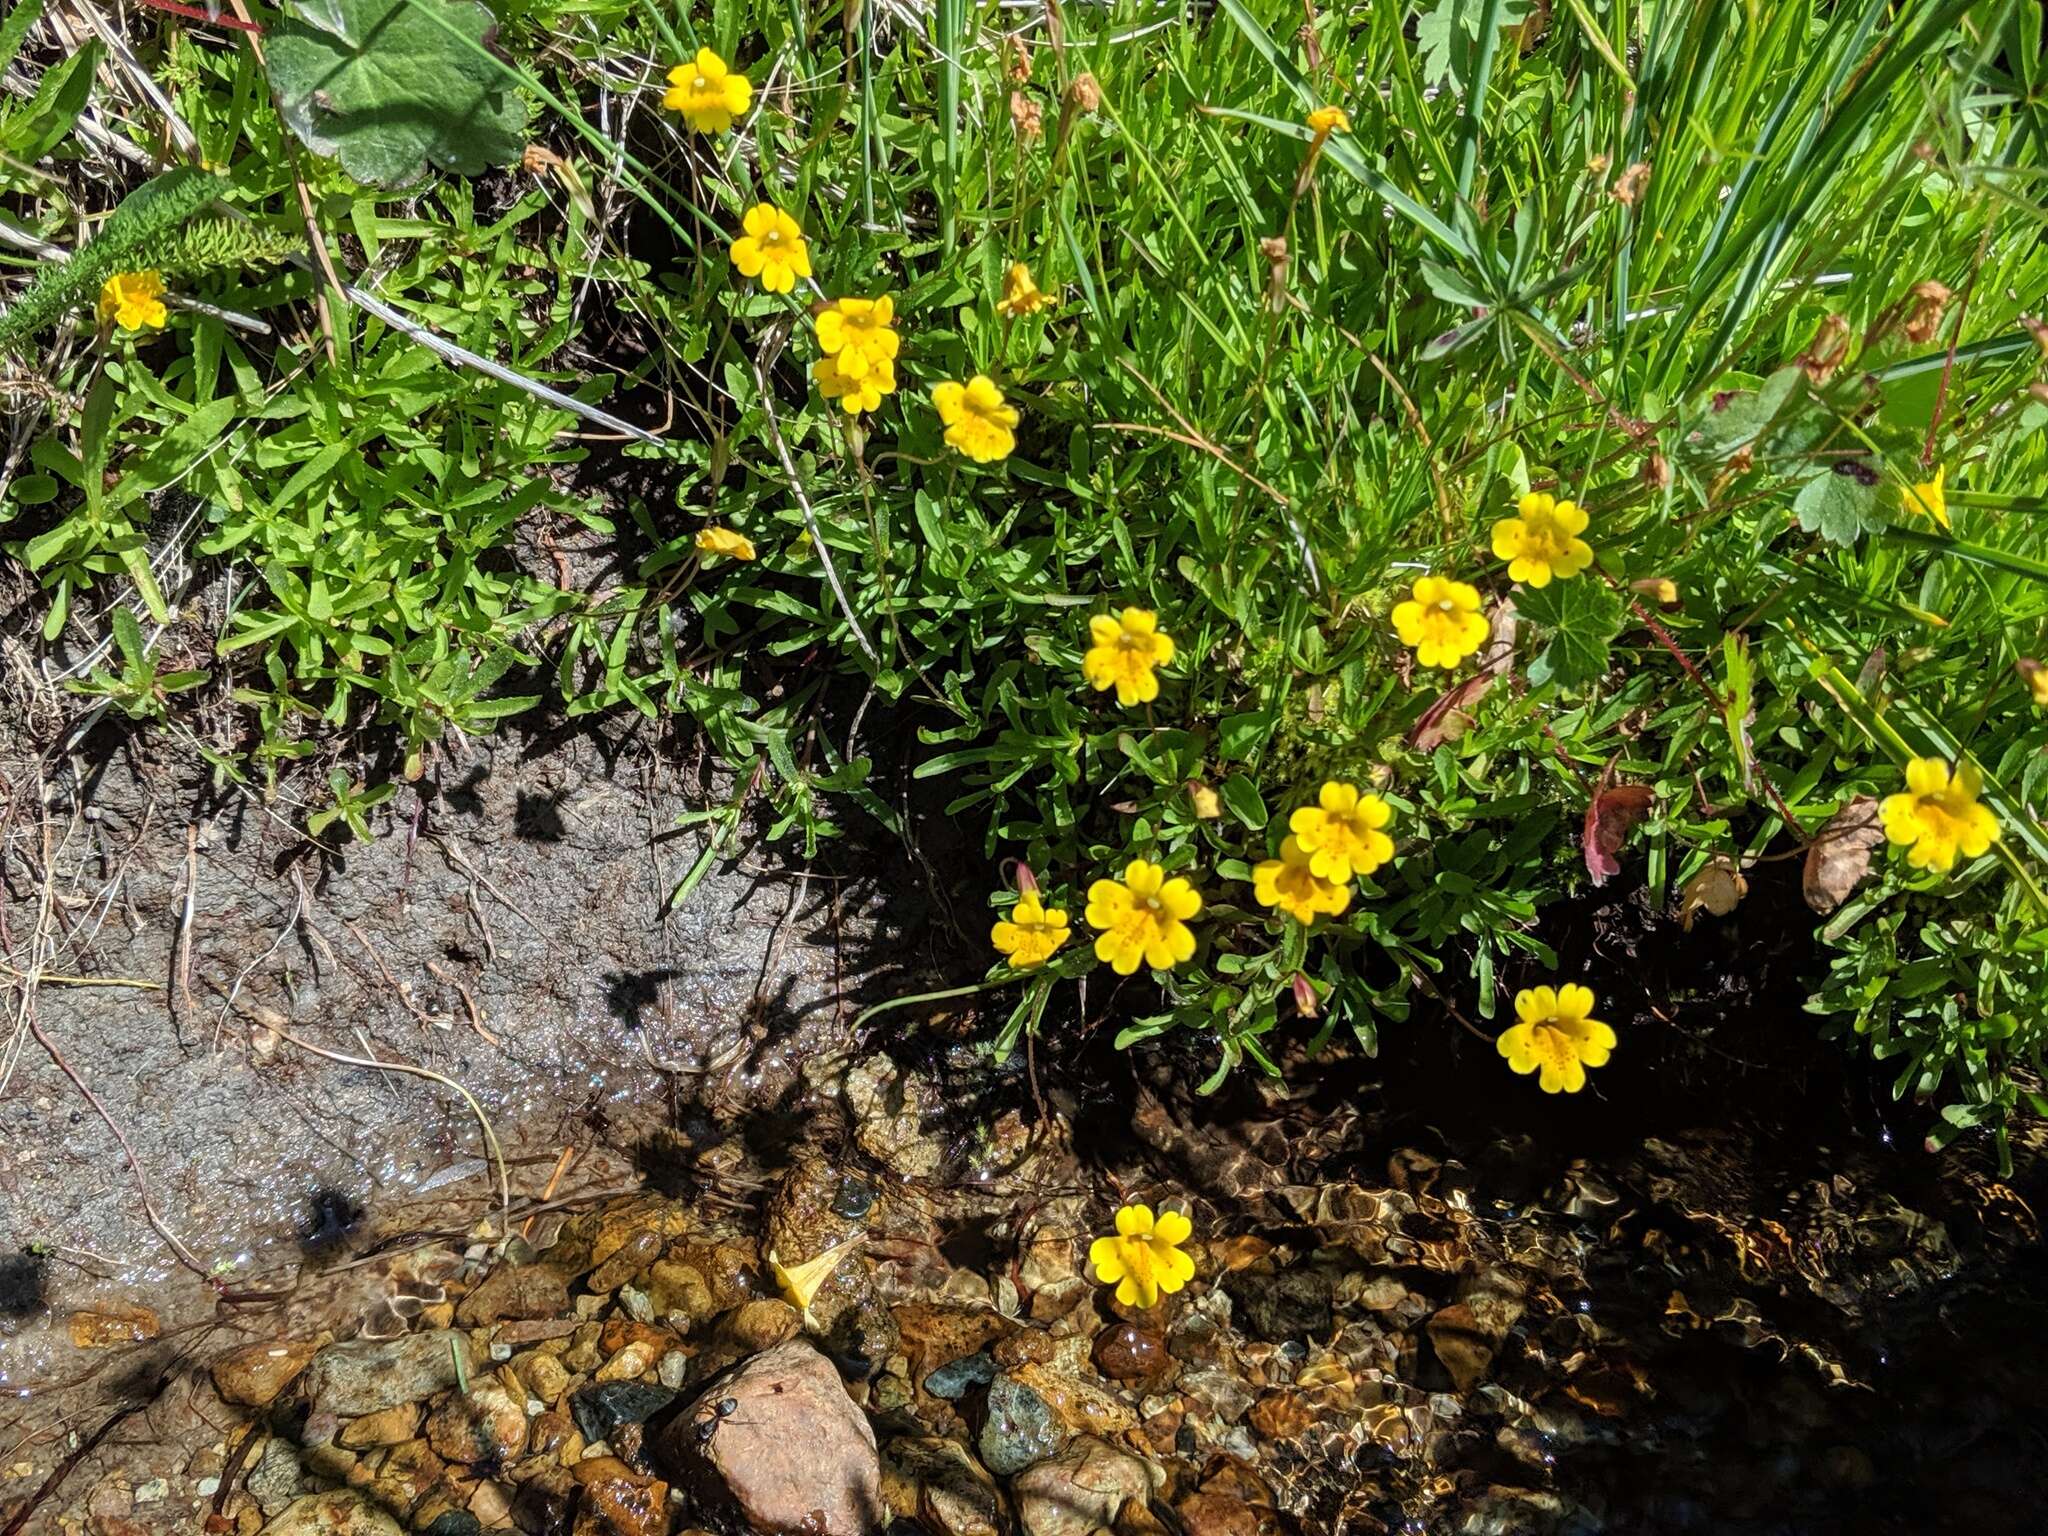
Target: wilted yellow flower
point(1143, 1259)
point(855, 395)
point(1203, 800)
point(1929, 498)
point(1341, 832)
point(1556, 1036)
point(723, 541)
point(707, 93)
point(1290, 884)
point(857, 335)
point(1660, 589)
point(799, 1283)
point(1544, 540)
point(1143, 917)
point(1324, 121)
point(772, 249)
point(978, 423)
point(2035, 676)
point(1028, 937)
point(1442, 622)
point(1021, 293)
point(134, 301)
point(1124, 653)
point(1938, 816)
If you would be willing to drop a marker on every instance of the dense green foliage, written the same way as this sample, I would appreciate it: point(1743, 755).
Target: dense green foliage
point(1734, 278)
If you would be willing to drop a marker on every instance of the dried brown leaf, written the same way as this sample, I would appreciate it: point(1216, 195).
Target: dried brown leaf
point(1839, 857)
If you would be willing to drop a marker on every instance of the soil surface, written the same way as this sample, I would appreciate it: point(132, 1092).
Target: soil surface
point(1723, 1290)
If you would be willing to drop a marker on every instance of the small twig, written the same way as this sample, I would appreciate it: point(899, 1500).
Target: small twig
point(476, 1018)
point(561, 1167)
point(182, 966)
point(420, 1016)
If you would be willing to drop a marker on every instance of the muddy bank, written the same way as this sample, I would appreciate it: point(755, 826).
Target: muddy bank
point(511, 932)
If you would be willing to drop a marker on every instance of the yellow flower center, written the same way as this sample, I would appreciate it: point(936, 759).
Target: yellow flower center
point(702, 84)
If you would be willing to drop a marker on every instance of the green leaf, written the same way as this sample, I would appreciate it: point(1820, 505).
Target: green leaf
point(389, 87)
point(1581, 617)
point(31, 132)
point(146, 218)
point(1839, 507)
point(1242, 797)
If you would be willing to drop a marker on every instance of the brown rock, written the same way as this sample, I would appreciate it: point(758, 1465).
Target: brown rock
point(625, 1503)
point(732, 1269)
point(790, 1450)
point(542, 1504)
point(393, 1426)
point(517, 1292)
point(943, 1487)
point(1079, 1405)
point(634, 1254)
point(491, 1504)
point(254, 1376)
point(342, 1513)
point(679, 1291)
point(762, 1324)
point(1218, 1514)
point(487, 1425)
point(1082, 1489)
point(404, 1477)
point(619, 1332)
point(549, 1432)
point(369, 1375)
point(1126, 1352)
point(105, 1327)
point(538, 1331)
point(630, 1363)
point(544, 1376)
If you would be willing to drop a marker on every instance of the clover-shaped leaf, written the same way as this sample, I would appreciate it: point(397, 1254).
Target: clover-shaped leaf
point(389, 87)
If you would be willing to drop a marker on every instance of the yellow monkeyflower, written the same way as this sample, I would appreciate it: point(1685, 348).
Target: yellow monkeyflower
point(707, 92)
point(134, 301)
point(1557, 1036)
point(1125, 653)
point(1544, 540)
point(1290, 884)
point(2035, 676)
point(1938, 816)
point(1442, 621)
point(1143, 916)
point(1031, 933)
point(772, 249)
point(1341, 833)
point(978, 423)
point(1143, 1259)
point(855, 395)
point(723, 541)
point(858, 335)
point(1324, 121)
point(1021, 293)
point(1929, 498)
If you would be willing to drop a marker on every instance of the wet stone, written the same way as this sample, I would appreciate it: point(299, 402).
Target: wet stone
point(778, 1438)
point(623, 1502)
point(761, 1324)
point(944, 1488)
point(1287, 1304)
point(514, 1293)
point(394, 1426)
point(1021, 1428)
point(1083, 1489)
point(453, 1522)
point(359, 1377)
point(635, 1254)
point(344, 1512)
point(487, 1425)
point(277, 1477)
point(600, 1410)
point(255, 1376)
point(1126, 1352)
point(953, 1380)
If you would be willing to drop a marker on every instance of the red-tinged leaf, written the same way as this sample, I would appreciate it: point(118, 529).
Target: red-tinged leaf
point(1449, 716)
point(1609, 817)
